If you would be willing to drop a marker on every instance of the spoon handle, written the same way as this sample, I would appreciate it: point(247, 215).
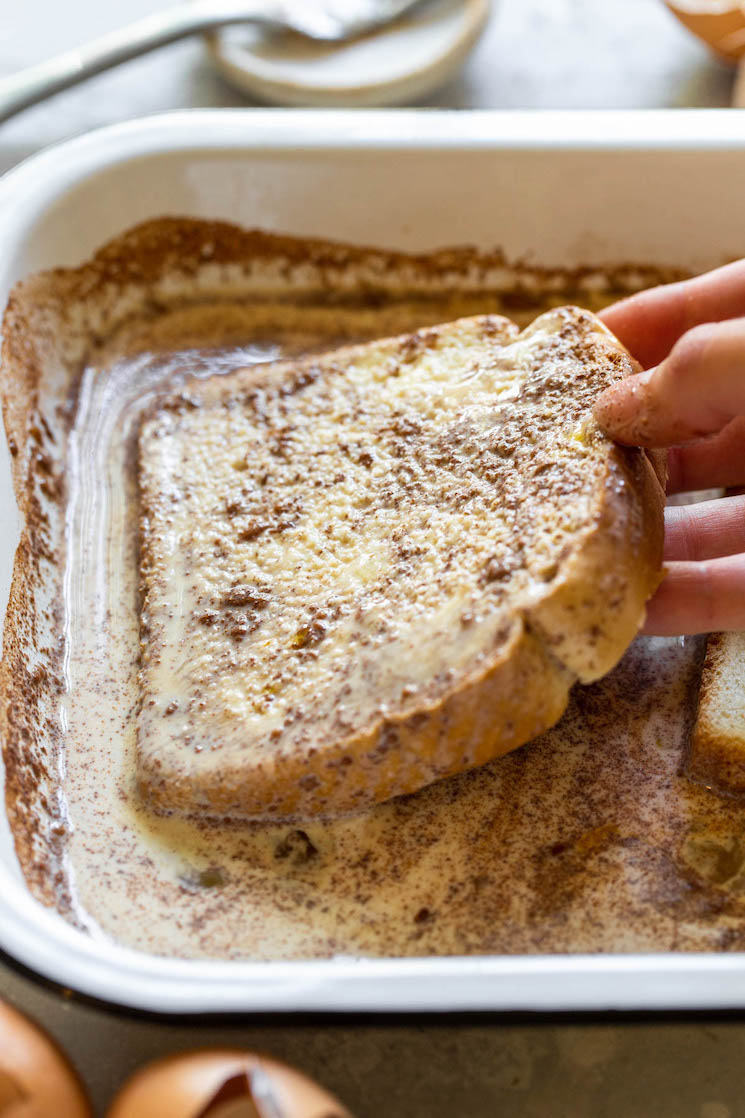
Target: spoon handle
point(29, 86)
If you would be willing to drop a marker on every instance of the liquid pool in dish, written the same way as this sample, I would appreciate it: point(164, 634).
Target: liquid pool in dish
point(586, 840)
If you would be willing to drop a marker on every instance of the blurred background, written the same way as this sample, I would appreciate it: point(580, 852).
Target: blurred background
point(533, 54)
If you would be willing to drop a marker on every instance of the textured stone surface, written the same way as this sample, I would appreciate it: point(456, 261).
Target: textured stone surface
point(474, 1068)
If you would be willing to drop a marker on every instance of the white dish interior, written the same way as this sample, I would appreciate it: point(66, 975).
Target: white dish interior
point(556, 189)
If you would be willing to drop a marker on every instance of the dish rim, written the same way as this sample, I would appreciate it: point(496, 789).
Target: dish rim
point(41, 939)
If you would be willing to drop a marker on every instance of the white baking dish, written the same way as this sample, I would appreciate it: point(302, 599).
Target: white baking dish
point(555, 188)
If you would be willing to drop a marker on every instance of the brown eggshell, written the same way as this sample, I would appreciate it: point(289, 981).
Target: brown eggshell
point(36, 1078)
point(222, 1083)
point(722, 28)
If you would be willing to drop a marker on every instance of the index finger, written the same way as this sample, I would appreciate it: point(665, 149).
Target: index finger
point(696, 391)
point(650, 323)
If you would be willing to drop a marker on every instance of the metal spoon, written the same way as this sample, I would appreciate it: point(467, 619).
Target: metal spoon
point(325, 20)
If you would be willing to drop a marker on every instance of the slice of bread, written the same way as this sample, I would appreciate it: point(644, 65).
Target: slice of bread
point(366, 571)
point(717, 754)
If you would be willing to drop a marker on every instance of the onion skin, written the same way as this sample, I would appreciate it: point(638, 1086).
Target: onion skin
point(190, 1085)
point(36, 1078)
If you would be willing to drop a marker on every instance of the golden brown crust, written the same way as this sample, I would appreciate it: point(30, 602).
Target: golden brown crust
point(148, 261)
point(472, 724)
point(30, 683)
point(599, 603)
point(717, 751)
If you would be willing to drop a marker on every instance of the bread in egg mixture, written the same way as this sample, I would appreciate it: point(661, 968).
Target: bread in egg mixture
point(717, 754)
point(366, 571)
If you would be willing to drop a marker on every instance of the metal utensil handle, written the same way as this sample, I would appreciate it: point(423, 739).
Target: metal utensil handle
point(19, 91)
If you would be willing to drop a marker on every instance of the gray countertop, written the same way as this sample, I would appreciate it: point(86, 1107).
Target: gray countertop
point(435, 1068)
point(535, 54)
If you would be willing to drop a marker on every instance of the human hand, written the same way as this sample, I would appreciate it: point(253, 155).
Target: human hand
point(690, 339)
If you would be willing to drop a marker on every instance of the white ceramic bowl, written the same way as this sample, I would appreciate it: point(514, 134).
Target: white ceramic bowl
point(399, 64)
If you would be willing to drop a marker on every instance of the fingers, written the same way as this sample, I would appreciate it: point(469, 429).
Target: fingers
point(699, 598)
point(704, 589)
point(712, 463)
point(650, 323)
point(706, 530)
point(693, 402)
point(696, 390)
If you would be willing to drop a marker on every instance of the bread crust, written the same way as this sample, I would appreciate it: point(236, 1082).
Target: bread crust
point(717, 751)
point(483, 718)
point(599, 603)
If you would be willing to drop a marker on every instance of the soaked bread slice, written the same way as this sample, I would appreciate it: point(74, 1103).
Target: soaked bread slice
point(366, 571)
point(717, 755)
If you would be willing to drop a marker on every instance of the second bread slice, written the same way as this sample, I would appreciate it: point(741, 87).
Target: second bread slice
point(370, 570)
point(717, 755)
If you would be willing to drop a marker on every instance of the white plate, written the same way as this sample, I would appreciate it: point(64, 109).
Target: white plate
point(402, 62)
point(560, 188)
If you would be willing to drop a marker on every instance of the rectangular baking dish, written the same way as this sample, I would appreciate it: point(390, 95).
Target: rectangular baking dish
point(550, 188)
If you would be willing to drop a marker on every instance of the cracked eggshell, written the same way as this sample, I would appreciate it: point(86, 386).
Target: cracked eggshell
point(222, 1083)
point(36, 1078)
point(720, 23)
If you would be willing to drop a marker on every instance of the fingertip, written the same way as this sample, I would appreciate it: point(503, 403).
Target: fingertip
point(606, 404)
point(641, 323)
point(620, 410)
point(698, 597)
point(618, 317)
point(666, 611)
